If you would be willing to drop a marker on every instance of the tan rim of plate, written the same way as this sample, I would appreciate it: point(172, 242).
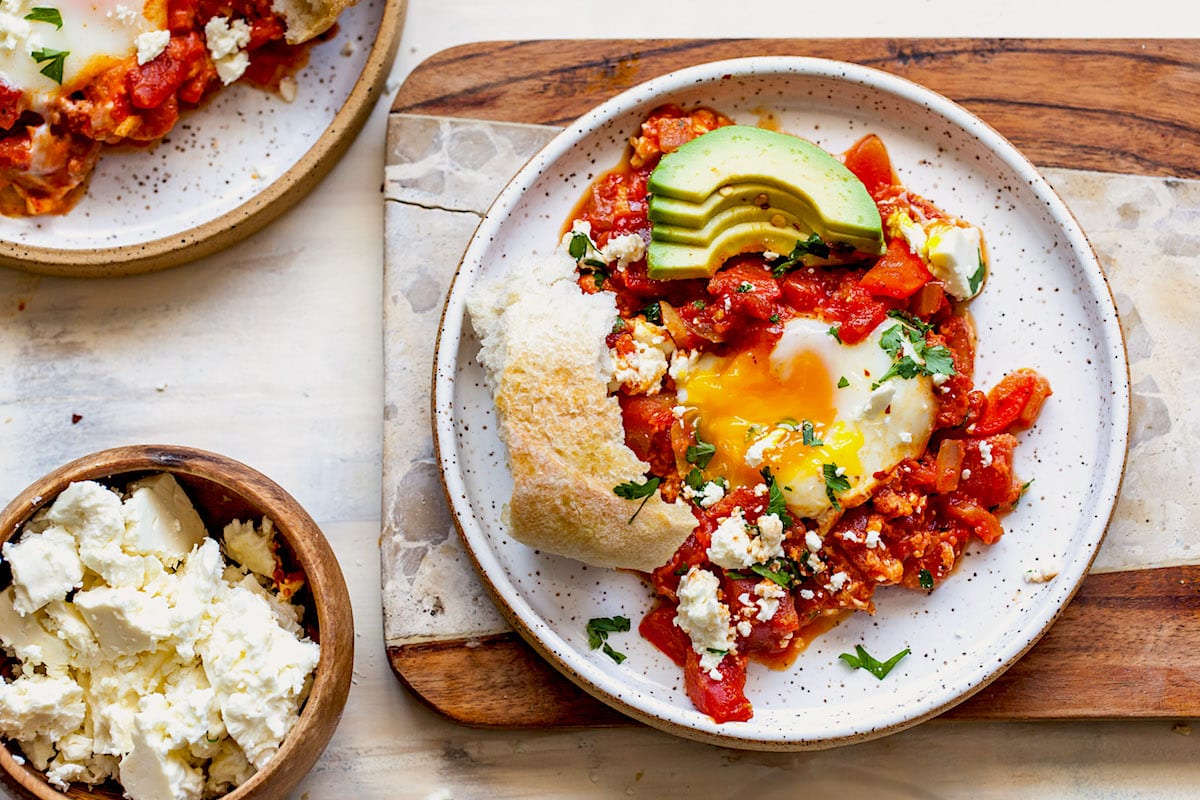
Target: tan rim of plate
point(250, 217)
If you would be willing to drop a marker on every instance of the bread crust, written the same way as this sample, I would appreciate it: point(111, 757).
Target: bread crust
point(543, 346)
point(307, 19)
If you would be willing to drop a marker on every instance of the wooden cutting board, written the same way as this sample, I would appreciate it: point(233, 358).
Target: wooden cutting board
point(1128, 643)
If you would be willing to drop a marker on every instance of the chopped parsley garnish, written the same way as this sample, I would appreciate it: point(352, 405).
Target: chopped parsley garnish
point(701, 453)
point(1024, 488)
point(918, 358)
point(52, 61)
point(910, 319)
point(618, 326)
point(653, 313)
point(835, 484)
point(865, 660)
point(717, 652)
point(695, 479)
point(778, 570)
point(776, 503)
point(631, 490)
point(581, 244)
point(745, 286)
point(836, 332)
point(699, 305)
point(600, 275)
point(813, 246)
point(976, 279)
point(42, 14)
point(842, 382)
point(773, 318)
point(598, 630)
point(810, 438)
point(926, 579)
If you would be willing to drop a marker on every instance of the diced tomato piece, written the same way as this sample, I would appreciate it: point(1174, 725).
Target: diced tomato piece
point(724, 700)
point(746, 288)
point(648, 420)
point(659, 629)
point(900, 273)
point(10, 105)
point(1013, 404)
point(994, 486)
point(690, 554)
point(153, 82)
point(869, 161)
point(974, 518)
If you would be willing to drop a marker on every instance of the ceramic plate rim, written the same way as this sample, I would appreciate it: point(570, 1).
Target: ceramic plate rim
point(540, 634)
point(275, 196)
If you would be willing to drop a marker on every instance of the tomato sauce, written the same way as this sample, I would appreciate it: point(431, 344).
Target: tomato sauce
point(914, 528)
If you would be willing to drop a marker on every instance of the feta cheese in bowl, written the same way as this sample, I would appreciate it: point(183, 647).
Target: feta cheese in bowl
point(173, 625)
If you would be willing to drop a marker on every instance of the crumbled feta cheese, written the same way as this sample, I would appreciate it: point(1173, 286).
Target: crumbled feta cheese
point(151, 44)
point(123, 14)
point(641, 371)
point(707, 496)
point(757, 451)
point(732, 546)
point(1041, 574)
point(45, 567)
point(682, 362)
point(624, 249)
point(704, 618)
point(770, 255)
point(905, 437)
point(966, 474)
point(807, 594)
point(938, 378)
point(955, 257)
point(160, 520)
point(14, 31)
point(836, 581)
point(40, 704)
point(226, 42)
point(985, 455)
point(840, 472)
point(762, 490)
point(744, 628)
point(877, 402)
point(769, 594)
point(812, 540)
point(874, 528)
point(252, 548)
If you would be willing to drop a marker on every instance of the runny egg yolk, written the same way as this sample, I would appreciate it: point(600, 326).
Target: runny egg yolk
point(752, 408)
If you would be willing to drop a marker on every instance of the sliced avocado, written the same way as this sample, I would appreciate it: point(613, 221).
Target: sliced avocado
point(728, 219)
point(707, 184)
point(702, 261)
point(671, 211)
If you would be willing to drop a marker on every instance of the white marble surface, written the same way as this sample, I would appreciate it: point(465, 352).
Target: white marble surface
point(271, 353)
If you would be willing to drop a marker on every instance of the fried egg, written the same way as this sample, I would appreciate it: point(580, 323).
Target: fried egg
point(94, 35)
point(807, 405)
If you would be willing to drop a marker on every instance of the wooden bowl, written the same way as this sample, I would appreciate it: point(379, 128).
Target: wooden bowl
point(221, 489)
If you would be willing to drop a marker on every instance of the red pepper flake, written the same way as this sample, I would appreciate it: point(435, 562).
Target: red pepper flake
point(75, 418)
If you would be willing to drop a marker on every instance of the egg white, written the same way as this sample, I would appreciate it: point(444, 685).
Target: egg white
point(96, 34)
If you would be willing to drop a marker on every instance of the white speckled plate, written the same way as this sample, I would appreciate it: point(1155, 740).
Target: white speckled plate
point(1046, 305)
point(225, 171)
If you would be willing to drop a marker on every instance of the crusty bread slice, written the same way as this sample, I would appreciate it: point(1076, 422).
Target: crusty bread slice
point(307, 19)
point(544, 350)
